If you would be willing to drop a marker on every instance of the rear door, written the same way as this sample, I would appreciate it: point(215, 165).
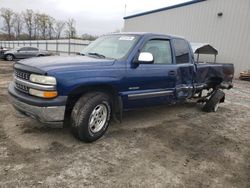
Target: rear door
point(21, 53)
point(185, 68)
point(32, 52)
point(152, 84)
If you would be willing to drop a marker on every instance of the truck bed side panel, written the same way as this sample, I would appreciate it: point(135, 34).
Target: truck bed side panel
point(214, 72)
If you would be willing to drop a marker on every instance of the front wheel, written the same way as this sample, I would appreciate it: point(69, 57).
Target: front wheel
point(90, 116)
point(9, 57)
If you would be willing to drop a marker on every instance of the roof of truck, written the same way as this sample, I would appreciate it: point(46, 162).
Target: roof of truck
point(148, 34)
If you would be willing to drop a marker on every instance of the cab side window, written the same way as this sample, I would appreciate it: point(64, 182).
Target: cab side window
point(160, 49)
point(23, 49)
point(181, 51)
point(32, 49)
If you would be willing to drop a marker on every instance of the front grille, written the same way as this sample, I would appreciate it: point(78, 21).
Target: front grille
point(22, 88)
point(21, 74)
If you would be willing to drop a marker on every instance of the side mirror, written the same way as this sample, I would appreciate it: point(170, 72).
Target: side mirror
point(145, 58)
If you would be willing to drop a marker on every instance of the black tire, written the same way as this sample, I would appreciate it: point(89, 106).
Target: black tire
point(213, 102)
point(82, 113)
point(9, 57)
point(40, 55)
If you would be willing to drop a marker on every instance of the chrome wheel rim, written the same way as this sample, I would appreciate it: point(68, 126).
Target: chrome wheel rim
point(98, 118)
point(9, 58)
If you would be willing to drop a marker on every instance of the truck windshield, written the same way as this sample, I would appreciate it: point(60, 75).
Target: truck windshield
point(111, 46)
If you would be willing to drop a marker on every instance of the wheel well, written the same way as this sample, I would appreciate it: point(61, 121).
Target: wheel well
point(78, 92)
point(214, 81)
point(9, 54)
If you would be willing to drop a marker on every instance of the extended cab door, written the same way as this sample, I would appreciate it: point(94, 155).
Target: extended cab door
point(152, 84)
point(185, 68)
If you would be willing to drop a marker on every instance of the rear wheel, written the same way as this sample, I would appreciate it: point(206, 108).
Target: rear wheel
point(9, 57)
point(90, 116)
point(212, 104)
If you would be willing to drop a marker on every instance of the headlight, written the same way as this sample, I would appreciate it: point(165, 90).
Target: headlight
point(43, 94)
point(46, 80)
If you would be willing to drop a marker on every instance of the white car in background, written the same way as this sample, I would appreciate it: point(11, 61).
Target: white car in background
point(24, 52)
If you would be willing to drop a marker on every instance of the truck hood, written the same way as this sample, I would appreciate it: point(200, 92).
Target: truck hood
point(66, 62)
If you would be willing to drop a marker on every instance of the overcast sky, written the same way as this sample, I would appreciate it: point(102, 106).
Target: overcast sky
point(92, 16)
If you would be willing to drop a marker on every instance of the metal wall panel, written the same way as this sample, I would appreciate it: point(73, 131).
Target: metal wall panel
point(200, 22)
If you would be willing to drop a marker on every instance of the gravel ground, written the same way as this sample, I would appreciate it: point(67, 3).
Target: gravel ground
point(166, 146)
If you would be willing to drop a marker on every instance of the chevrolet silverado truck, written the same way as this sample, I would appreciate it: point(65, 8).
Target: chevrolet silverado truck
point(115, 73)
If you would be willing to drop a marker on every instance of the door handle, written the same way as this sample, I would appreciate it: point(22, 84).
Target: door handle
point(171, 73)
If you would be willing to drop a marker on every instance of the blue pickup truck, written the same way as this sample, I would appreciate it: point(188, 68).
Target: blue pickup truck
point(115, 73)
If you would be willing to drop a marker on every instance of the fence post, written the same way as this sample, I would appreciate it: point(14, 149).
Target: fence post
point(69, 47)
point(56, 46)
point(46, 42)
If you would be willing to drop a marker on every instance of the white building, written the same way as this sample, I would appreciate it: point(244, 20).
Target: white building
point(225, 24)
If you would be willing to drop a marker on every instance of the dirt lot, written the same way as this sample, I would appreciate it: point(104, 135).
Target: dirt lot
point(167, 146)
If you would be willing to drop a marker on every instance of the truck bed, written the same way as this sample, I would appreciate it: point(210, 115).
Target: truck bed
point(214, 73)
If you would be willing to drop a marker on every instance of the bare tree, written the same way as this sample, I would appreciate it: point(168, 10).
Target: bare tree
point(17, 24)
point(59, 26)
point(70, 30)
point(43, 24)
point(36, 25)
point(87, 36)
point(28, 17)
point(7, 15)
point(51, 30)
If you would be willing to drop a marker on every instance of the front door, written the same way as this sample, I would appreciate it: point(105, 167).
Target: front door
point(32, 52)
point(152, 84)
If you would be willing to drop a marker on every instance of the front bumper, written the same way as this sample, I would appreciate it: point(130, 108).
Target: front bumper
point(45, 111)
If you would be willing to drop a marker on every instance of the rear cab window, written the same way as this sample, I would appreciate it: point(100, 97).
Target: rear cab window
point(181, 49)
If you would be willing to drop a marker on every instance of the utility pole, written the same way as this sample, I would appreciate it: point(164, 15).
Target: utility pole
point(125, 10)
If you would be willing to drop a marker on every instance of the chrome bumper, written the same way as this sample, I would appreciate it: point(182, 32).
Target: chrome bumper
point(50, 114)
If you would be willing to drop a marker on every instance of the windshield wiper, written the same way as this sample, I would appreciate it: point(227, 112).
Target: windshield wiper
point(97, 54)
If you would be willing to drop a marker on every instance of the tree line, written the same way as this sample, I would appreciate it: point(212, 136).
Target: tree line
point(34, 25)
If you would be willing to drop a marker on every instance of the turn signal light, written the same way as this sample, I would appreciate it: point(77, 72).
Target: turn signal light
point(43, 94)
point(49, 94)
